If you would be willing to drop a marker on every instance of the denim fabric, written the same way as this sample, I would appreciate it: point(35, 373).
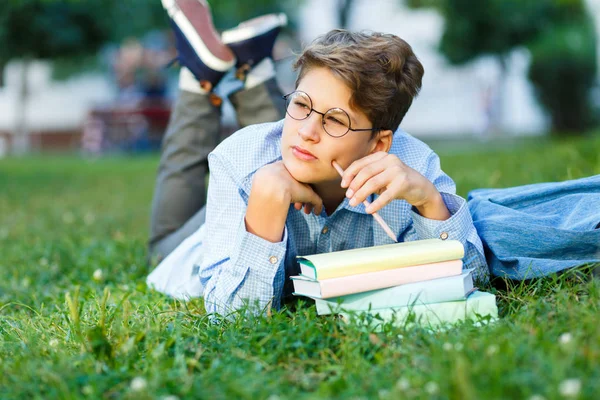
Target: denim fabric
point(535, 230)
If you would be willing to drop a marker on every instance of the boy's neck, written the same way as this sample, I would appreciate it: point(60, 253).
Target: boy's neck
point(331, 193)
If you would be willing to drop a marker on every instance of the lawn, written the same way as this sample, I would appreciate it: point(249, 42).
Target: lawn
point(77, 321)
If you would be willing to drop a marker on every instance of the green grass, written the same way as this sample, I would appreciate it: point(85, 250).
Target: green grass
point(64, 334)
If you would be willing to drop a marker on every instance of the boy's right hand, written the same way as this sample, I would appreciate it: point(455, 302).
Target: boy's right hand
point(273, 190)
point(274, 180)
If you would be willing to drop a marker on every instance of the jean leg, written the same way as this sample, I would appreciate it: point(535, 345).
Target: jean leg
point(164, 246)
point(262, 103)
point(180, 190)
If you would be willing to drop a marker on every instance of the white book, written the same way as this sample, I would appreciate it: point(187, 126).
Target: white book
point(439, 290)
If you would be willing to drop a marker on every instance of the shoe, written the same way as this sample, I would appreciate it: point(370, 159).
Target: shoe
point(199, 47)
point(253, 40)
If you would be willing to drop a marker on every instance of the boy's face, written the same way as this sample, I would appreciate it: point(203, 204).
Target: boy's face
point(308, 136)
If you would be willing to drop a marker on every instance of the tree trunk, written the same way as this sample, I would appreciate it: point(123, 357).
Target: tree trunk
point(497, 123)
point(344, 8)
point(2, 66)
point(21, 132)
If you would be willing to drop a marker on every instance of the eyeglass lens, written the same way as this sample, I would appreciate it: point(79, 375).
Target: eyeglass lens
point(336, 121)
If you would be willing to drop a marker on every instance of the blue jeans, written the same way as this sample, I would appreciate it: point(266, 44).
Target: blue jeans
point(535, 230)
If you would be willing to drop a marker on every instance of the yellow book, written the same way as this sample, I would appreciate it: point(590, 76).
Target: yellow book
point(379, 258)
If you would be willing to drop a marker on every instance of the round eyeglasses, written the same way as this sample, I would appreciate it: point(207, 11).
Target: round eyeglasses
point(335, 121)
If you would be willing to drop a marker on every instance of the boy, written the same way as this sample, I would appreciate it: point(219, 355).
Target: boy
point(274, 193)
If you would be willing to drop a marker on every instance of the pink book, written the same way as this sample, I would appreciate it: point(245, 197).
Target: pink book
point(351, 284)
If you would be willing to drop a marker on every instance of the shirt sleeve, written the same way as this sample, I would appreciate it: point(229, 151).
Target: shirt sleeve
point(460, 224)
point(238, 268)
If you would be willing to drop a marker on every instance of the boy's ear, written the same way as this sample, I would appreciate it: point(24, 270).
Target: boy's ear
point(383, 141)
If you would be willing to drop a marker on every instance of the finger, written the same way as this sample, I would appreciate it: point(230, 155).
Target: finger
point(373, 185)
point(298, 206)
point(309, 197)
point(308, 208)
point(357, 165)
point(382, 200)
point(367, 172)
point(317, 204)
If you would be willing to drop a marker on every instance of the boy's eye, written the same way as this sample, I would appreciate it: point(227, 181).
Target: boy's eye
point(335, 121)
point(300, 103)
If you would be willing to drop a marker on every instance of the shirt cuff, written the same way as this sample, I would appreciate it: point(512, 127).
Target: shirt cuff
point(456, 227)
point(261, 256)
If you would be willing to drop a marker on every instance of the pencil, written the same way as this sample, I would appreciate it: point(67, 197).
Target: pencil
point(377, 217)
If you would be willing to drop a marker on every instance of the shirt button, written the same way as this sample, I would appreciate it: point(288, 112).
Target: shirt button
point(325, 230)
point(273, 260)
point(444, 235)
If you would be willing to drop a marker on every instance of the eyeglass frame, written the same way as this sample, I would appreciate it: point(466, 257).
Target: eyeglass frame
point(285, 97)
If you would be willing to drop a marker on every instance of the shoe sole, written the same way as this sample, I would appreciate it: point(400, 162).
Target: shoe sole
point(196, 41)
point(245, 32)
point(189, 58)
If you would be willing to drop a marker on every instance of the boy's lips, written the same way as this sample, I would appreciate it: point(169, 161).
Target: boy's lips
point(303, 154)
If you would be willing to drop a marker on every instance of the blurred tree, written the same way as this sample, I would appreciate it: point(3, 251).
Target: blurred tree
point(38, 29)
point(496, 27)
point(564, 68)
point(229, 13)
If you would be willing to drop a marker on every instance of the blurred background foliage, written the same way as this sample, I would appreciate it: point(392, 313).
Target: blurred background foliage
point(51, 28)
point(559, 34)
point(71, 31)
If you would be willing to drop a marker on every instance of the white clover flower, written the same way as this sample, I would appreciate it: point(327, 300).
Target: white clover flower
point(98, 275)
point(447, 346)
point(458, 346)
point(403, 384)
point(570, 387)
point(138, 384)
point(431, 388)
point(68, 217)
point(53, 342)
point(491, 350)
point(565, 338)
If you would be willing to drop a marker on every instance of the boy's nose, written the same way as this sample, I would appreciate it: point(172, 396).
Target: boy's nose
point(310, 128)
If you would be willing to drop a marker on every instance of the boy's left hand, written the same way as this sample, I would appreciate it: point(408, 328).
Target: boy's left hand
point(386, 175)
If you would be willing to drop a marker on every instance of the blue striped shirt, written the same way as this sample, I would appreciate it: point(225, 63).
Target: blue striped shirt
point(238, 268)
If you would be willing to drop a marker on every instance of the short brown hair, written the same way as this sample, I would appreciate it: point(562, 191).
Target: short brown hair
point(381, 70)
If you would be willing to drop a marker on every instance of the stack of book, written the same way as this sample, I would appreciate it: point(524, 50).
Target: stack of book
point(424, 278)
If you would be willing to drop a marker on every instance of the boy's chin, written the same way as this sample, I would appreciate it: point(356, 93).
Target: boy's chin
point(302, 174)
point(304, 177)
